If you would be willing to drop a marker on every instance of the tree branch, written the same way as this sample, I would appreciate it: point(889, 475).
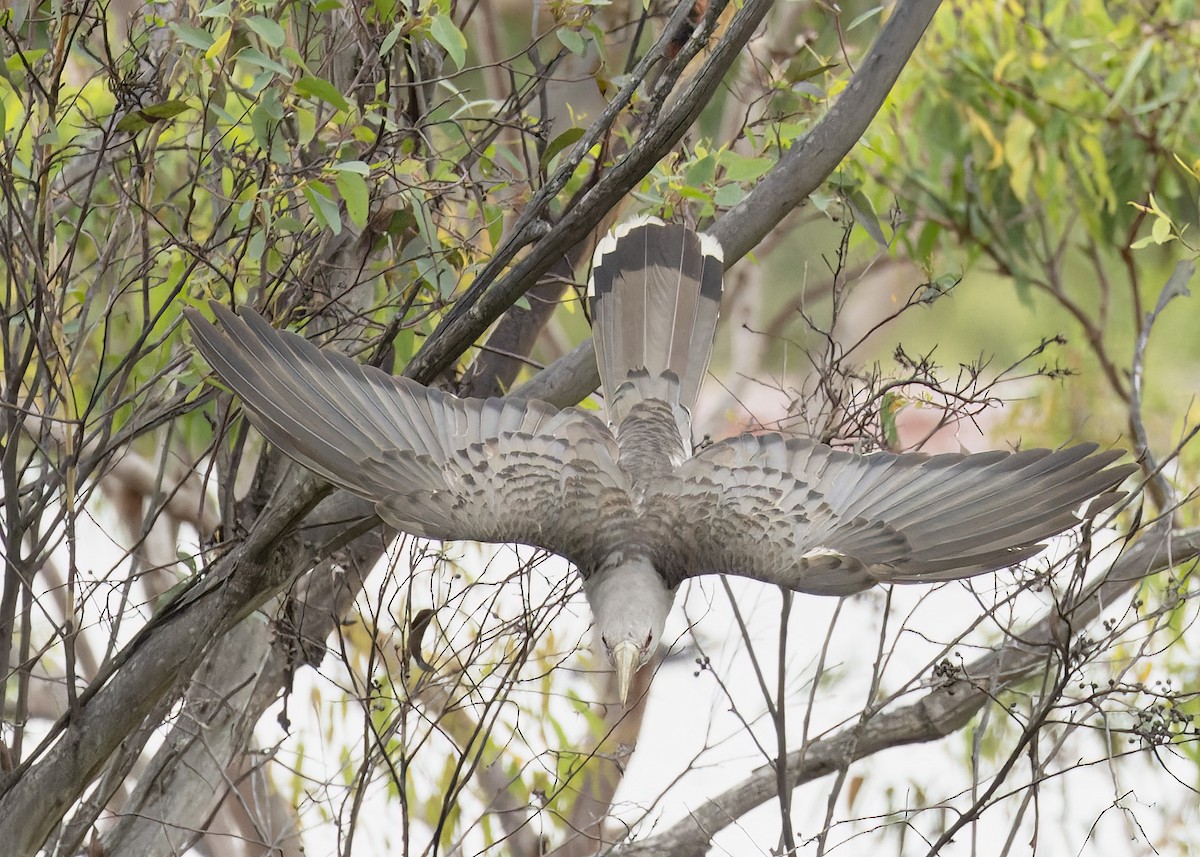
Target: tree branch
point(36, 795)
point(799, 172)
point(464, 327)
point(941, 712)
point(241, 678)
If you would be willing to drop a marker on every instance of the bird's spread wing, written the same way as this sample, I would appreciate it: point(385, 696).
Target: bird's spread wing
point(435, 465)
point(814, 519)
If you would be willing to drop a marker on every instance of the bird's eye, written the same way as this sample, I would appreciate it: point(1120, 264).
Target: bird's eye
point(604, 641)
point(649, 637)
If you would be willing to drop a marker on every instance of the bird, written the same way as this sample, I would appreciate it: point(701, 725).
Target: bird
point(628, 499)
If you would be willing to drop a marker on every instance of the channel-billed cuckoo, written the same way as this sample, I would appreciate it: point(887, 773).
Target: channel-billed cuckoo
point(628, 500)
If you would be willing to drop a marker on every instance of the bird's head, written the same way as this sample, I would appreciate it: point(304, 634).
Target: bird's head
point(630, 601)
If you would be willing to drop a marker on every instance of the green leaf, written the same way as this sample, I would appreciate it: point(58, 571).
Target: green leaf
point(1160, 230)
point(867, 15)
point(355, 194)
point(256, 244)
point(572, 40)
point(293, 56)
point(267, 30)
point(164, 109)
point(306, 125)
point(271, 106)
point(562, 141)
point(193, 36)
point(1132, 73)
point(257, 58)
point(495, 224)
point(427, 251)
point(809, 74)
point(262, 125)
point(729, 196)
point(139, 120)
point(888, 408)
point(324, 209)
point(358, 167)
point(927, 240)
point(389, 41)
point(217, 10)
point(701, 172)
point(739, 168)
point(319, 88)
point(14, 14)
point(132, 122)
point(405, 344)
point(449, 37)
point(18, 61)
point(864, 214)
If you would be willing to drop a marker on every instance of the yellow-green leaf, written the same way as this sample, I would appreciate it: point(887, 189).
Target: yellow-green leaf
point(1018, 152)
point(1160, 230)
point(218, 45)
point(164, 109)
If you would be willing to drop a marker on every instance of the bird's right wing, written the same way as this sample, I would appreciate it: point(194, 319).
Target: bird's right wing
point(814, 519)
point(494, 470)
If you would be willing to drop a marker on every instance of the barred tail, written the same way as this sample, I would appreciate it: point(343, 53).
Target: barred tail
point(655, 295)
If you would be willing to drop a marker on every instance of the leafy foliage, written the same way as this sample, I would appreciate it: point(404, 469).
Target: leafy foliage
point(367, 174)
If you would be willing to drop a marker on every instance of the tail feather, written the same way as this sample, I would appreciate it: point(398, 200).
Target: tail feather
point(655, 295)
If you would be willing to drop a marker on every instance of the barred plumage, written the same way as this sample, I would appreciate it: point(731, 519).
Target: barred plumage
point(628, 502)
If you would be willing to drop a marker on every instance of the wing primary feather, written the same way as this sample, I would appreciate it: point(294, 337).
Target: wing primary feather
point(433, 464)
point(819, 520)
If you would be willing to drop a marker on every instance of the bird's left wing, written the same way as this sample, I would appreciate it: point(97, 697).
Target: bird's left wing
point(496, 470)
point(814, 519)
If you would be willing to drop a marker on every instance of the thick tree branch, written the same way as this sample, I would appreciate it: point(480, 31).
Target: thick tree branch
point(493, 371)
point(940, 712)
point(242, 677)
point(799, 172)
point(567, 381)
point(40, 791)
point(464, 327)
